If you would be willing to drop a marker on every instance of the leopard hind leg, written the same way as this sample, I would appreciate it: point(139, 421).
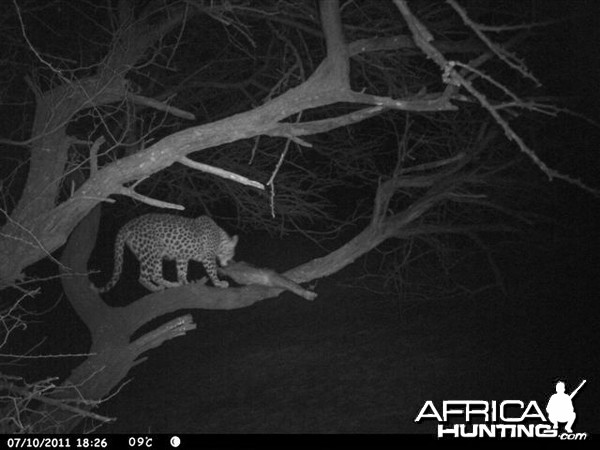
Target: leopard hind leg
point(150, 285)
point(151, 275)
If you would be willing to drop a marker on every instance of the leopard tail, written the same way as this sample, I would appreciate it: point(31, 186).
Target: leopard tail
point(119, 248)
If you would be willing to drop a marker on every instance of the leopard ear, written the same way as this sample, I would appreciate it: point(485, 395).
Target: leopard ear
point(234, 240)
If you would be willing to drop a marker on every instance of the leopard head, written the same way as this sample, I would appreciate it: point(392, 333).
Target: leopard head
point(227, 249)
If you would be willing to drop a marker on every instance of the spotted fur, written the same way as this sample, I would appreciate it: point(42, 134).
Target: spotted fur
point(154, 237)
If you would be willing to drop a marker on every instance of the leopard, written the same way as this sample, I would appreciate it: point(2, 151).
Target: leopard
point(156, 237)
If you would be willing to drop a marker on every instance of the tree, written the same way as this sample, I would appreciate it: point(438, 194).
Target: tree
point(297, 91)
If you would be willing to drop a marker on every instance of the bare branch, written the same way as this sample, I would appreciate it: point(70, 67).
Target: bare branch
point(451, 76)
point(149, 201)
point(220, 172)
point(172, 329)
point(27, 395)
point(508, 58)
point(161, 106)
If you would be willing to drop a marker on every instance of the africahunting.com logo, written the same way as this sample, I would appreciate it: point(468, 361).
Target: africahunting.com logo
point(505, 419)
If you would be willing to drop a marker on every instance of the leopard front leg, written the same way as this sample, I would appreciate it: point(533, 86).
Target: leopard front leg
point(211, 269)
point(182, 267)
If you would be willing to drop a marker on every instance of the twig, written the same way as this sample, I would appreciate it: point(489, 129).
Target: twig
point(36, 242)
point(26, 394)
point(498, 50)
point(94, 154)
point(37, 54)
